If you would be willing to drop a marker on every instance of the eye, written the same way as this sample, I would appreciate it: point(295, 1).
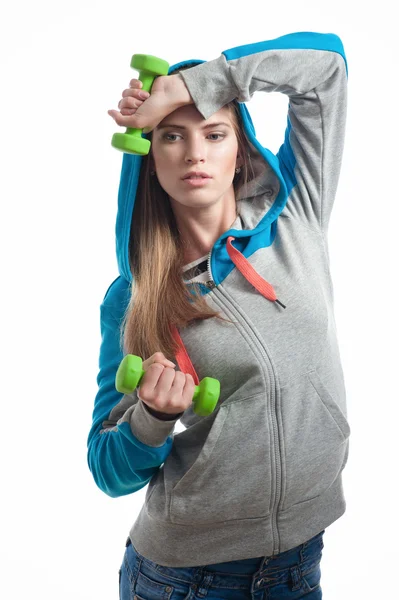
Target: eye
point(168, 135)
point(220, 135)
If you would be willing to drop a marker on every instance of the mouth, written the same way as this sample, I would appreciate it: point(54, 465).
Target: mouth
point(196, 174)
point(196, 181)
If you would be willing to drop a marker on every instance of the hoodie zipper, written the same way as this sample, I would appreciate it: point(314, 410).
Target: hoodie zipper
point(273, 387)
point(210, 283)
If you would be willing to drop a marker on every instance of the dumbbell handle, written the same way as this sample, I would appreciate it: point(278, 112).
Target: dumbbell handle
point(147, 80)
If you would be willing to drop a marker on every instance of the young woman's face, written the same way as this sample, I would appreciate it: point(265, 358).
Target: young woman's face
point(184, 142)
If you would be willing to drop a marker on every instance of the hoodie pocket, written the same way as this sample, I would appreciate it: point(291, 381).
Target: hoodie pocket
point(231, 477)
point(316, 434)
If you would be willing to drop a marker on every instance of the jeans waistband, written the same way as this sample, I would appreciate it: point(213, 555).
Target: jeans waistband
point(248, 566)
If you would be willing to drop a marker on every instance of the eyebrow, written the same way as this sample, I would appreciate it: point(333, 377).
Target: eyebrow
point(182, 127)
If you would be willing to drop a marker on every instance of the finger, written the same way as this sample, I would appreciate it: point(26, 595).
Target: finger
point(136, 83)
point(150, 379)
point(123, 120)
point(166, 380)
point(189, 386)
point(176, 395)
point(179, 381)
point(128, 111)
point(158, 357)
point(141, 94)
point(130, 102)
point(133, 120)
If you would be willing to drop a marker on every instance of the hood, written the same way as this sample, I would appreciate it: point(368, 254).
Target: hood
point(259, 202)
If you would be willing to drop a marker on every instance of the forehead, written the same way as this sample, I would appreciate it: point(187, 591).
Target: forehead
point(189, 116)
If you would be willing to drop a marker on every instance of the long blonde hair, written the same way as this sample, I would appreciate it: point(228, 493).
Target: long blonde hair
point(159, 297)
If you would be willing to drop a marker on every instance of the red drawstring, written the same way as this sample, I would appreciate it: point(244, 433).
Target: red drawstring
point(263, 287)
point(182, 357)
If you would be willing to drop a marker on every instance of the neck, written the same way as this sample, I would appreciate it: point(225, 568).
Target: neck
point(200, 227)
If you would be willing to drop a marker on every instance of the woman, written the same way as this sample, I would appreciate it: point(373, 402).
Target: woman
point(223, 266)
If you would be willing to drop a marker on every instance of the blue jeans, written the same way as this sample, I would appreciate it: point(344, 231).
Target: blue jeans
point(286, 576)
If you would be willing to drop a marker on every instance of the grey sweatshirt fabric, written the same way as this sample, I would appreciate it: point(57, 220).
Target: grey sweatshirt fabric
point(263, 473)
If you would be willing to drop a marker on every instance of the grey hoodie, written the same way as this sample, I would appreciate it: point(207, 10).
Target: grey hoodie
point(263, 473)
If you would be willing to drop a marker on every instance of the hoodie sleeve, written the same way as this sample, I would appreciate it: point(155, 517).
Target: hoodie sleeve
point(310, 68)
point(126, 444)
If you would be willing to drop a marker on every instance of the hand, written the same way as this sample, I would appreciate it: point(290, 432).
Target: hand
point(168, 93)
point(164, 390)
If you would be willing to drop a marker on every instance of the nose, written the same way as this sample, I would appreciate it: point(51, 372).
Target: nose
point(195, 150)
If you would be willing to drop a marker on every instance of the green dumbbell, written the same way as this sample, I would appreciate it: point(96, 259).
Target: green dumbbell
point(149, 67)
point(130, 373)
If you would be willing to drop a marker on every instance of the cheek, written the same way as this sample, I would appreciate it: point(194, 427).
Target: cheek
point(227, 155)
point(164, 160)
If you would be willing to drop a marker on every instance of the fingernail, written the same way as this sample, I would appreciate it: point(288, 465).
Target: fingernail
point(144, 95)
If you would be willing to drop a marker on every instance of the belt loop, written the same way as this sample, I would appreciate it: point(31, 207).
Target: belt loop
point(204, 584)
point(295, 573)
point(264, 562)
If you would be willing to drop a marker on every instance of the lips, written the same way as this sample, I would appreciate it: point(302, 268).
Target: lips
point(196, 175)
point(196, 182)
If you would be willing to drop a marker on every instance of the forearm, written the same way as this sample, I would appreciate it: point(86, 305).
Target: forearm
point(123, 456)
point(309, 68)
point(294, 64)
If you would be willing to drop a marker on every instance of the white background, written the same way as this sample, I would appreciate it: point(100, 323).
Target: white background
point(63, 65)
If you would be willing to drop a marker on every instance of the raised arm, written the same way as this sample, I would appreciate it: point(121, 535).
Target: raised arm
point(310, 68)
point(126, 444)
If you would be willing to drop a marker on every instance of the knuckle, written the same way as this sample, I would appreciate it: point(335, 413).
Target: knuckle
point(142, 393)
point(175, 405)
point(158, 400)
point(156, 366)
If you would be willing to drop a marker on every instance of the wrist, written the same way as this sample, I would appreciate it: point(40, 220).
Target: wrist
point(183, 96)
point(161, 415)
